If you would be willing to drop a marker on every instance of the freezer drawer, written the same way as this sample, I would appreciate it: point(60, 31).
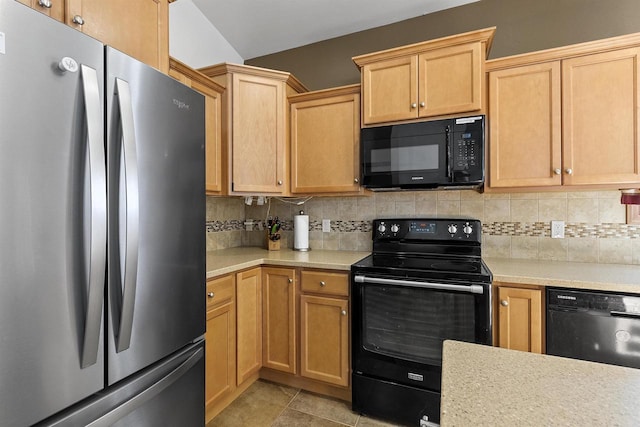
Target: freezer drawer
point(170, 393)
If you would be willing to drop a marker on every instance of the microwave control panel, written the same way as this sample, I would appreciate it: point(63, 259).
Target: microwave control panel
point(468, 149)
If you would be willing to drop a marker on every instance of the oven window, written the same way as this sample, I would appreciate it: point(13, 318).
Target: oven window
point(411, 323)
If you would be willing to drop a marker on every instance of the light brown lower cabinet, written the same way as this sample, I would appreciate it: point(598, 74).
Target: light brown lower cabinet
point(249, 323)
point(220, 343)
point(279, 319)
point(287, 325)
point(520, 318)
point(324, 339)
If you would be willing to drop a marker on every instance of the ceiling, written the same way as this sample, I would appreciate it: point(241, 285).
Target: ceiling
point(261, 27)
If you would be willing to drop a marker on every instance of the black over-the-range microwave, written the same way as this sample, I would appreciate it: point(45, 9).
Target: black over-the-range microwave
point(431, 154)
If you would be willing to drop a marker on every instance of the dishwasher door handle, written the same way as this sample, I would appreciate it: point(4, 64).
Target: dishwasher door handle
point(615, 313)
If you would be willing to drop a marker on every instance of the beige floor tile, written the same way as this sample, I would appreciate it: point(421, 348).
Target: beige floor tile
point(293, 418)
point(324, 407)
point(259, 406)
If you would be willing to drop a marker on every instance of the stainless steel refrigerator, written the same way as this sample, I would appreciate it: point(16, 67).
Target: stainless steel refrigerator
point(102, 243)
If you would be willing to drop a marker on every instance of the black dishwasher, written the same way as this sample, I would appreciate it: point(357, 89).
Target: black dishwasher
point(591, 325)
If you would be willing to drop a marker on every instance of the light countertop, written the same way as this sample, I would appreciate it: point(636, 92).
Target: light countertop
point(229, 260)
point(490, 386)
point(606, 277)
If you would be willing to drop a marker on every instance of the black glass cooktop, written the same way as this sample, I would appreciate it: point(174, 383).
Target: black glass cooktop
point(425, 267)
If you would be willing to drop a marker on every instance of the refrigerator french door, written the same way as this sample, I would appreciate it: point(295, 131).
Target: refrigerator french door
point(102, 251)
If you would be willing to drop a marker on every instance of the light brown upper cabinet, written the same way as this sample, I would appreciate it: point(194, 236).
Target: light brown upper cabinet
point(432, 78)
point(325, 141)
point(138, 28)
point(566, 116)
point(213, 122)
point(255, 120)
point(51, 8)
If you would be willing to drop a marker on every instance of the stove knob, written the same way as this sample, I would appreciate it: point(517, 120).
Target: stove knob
point(453, 229)
point(395, 228)
point(468, 229)
point(382, 228)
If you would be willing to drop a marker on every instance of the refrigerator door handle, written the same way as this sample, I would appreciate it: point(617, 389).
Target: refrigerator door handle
point(140, 399)
point(132, 215)
point(98, 216)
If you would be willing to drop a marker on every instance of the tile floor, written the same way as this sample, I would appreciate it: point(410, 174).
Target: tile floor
point(267, 404)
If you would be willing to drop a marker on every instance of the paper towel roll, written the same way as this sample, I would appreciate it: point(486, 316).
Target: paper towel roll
point(301, 232)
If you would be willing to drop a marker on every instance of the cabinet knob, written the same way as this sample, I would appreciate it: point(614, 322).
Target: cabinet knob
point(279, 182)
point(414, 105)
point(290, 280)
point(569, 171)
point(557, 171)
point(45, 3)
point(210, 294)
point(322, 283)
point(77, 19)
point(504, 303)
point(356, 180)
point(343, 312)
point(422, 104)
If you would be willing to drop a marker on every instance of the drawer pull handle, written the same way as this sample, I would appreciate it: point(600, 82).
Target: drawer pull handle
point(504, 303)
point(322, 283)
point(210, 294)
point(78, 20)
point(45, 3)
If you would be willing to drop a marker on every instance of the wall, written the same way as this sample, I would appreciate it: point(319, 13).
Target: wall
point(515, 225)
point(522, 26)
point(188, 28)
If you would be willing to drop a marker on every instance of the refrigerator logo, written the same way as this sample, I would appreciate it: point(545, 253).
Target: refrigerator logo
point(180, 104)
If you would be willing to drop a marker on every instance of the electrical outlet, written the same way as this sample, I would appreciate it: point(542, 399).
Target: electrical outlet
point(326, 225)
point(557, 229)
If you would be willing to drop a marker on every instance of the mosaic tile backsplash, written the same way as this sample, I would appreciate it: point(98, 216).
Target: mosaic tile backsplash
point(515, 225)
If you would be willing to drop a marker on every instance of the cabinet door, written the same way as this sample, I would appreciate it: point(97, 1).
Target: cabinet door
point(450, 80)
point(324, 339)
point(520, 319)
point(325, 143)
point(279, 322)
point(525, 126)
point(389, 90)
point(220, 350)
point(258, 123)
point(51, 8)
point(138, 28)
point(249, 323)
point(213, 148)
point(600, 95)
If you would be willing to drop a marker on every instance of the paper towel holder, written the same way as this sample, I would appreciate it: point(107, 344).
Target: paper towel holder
point(297, 236)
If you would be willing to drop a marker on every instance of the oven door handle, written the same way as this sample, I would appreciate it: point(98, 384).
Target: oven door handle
point(473, 289)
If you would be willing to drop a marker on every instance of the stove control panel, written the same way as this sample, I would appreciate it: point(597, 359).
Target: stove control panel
point(427, 229)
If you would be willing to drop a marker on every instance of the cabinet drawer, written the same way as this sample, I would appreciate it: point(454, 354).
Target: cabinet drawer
point(325, 282)
point(220, 290)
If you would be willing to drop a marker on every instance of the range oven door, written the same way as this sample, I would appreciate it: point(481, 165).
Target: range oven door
point(399, 325)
